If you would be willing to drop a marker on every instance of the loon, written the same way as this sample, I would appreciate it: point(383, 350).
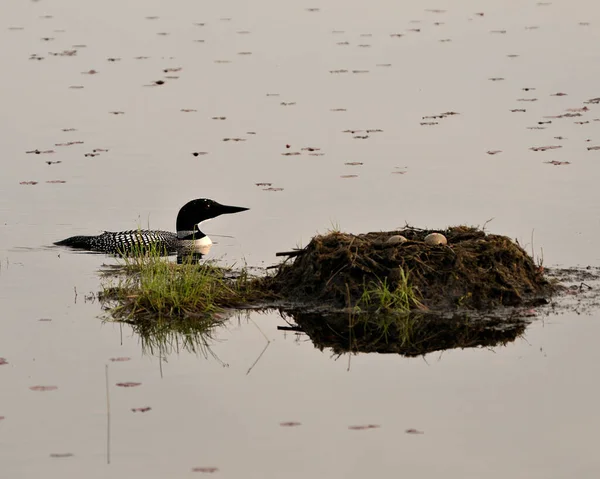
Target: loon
point(188, 236)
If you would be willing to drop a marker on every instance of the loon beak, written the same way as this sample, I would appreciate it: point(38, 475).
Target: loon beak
point(226, 210)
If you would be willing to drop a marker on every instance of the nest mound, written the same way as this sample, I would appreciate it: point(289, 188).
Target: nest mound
point(474, 270)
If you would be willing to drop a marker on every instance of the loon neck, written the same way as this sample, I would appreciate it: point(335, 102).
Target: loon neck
point(194, 234)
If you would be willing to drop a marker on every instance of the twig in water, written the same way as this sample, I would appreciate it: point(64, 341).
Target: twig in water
point(263, 351)
point(107, 417)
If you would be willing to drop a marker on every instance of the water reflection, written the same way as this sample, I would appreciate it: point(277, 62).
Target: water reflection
point(408, 334)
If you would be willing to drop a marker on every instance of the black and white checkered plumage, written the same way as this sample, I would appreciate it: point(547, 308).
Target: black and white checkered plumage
point(128, 242)
point(187, 237)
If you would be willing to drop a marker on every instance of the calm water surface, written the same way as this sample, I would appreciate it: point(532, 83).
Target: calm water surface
point(526, 410)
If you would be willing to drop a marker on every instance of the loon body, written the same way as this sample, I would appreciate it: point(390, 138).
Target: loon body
point(188, 236)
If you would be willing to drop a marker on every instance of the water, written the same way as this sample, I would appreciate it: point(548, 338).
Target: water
point(524, 410)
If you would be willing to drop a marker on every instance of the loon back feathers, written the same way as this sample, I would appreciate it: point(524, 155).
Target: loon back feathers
point(127, 241)
point(187, 237)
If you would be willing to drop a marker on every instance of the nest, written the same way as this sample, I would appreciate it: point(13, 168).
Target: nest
point(474, 270)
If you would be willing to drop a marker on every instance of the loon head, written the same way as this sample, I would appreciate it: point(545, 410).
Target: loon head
point(197, 211)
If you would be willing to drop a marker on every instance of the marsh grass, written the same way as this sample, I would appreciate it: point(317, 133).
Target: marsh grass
point(148, 285)
point(164, 336)
point(379, 295)
point(394, 327)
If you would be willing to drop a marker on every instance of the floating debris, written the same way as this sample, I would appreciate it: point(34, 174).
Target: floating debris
point(141, 409)
point(364, 427)
point(64, 53)
point(557, 163)
point(493, 152)
point(544, 148)
point(208, 470)
point(43, 388)
point(198, 153)
point(120, 359)
point(28, 183)
point(413, 431)
point(128, 385)
point(40, 152)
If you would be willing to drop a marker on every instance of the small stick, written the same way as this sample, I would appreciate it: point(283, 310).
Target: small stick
point(290, 328)
point(263, 351)
point(291, 254)
point(107, 417)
